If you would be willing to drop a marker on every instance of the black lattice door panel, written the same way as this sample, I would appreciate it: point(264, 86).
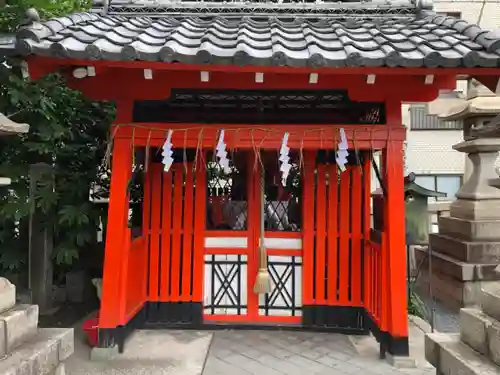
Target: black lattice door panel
point(285, 298)
point(225, 285)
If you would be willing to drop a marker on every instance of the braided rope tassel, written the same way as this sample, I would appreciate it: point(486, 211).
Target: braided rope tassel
point(263, 279)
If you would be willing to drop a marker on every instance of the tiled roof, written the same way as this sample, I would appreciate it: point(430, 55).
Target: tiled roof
point(422, 39)
point(7, 43)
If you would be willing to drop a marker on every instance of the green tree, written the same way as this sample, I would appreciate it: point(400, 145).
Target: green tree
point(13, 11)
point(68, 132)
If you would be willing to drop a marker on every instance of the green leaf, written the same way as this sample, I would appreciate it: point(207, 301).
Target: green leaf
point(68, 215)
point(83, 238)
point(11, 258)
point(65, 254)
point(67, 131)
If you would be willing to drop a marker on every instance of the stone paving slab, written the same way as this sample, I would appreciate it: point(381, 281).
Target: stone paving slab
point(148, 352)
point(242, 352)
point(290, 353)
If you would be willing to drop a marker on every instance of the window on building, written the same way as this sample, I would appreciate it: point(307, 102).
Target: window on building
point(450, 14)
point(448, 184)
point(421, 120)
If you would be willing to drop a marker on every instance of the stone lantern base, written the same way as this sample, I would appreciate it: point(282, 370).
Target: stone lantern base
point(466, 251)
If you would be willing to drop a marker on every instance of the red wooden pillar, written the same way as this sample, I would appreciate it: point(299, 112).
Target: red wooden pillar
point(114, 291)
point(395, 306)
point(308, 199)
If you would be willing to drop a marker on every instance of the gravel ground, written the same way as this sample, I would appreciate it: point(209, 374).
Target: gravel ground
point(446, 320)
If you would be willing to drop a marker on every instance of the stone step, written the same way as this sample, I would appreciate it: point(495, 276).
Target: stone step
point(16, 326)
point(490, 300)
point(452, 293)
point(7, 295)
point(450, 355)
point(59, 370)
point(41, 354)
point(481, 332)
point(457, 269)
point(474, 326)
point(473, 252)
point(476, 230)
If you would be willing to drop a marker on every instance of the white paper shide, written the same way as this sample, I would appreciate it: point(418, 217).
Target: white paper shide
point(167, 152)
point(221, 153)
point(342, 152)
point(284, 159)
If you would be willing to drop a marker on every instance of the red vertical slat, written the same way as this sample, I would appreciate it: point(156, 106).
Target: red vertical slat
point(375, 277)
point(366, 232)
point(373, 272)
point(187, 234)
point(368, 277)
point(146, 222)
point(128, 295)
point(320, 234)
point(199, 229)
point(376, 281)
point(166, 229)
point(356, 234)
point(176, 233)
point(154, 255)
point(308, 229)
point(345, 186)
point(332, 233)
point(382, 284)
point(254, 215)
point(146, 203)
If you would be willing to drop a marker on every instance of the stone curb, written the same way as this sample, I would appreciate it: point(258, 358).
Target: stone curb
point(421, 324)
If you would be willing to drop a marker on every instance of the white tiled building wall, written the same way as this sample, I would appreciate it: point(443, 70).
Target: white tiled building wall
point(429, 152)
point(486, 13)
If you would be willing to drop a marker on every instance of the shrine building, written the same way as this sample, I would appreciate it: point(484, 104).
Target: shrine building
point(234, 113)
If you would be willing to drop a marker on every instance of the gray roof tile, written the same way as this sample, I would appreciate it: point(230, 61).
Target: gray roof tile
point(407, 41)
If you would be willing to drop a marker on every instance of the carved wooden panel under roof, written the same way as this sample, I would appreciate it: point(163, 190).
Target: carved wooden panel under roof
point(259, 107)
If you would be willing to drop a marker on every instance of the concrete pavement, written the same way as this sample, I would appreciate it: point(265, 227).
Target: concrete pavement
point(295, 353)
point(242, 352)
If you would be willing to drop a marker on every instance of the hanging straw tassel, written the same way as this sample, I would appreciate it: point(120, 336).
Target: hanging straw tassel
point(263, 280)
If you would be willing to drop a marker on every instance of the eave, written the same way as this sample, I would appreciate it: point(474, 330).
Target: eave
point(489, 105)
point(364, 84)
point(156, 65)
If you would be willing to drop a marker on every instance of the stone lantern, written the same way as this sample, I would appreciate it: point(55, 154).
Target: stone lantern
point(492, 130)
point(477, 110)
point(466, 250)
point(7, 289)
point(8, 127)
